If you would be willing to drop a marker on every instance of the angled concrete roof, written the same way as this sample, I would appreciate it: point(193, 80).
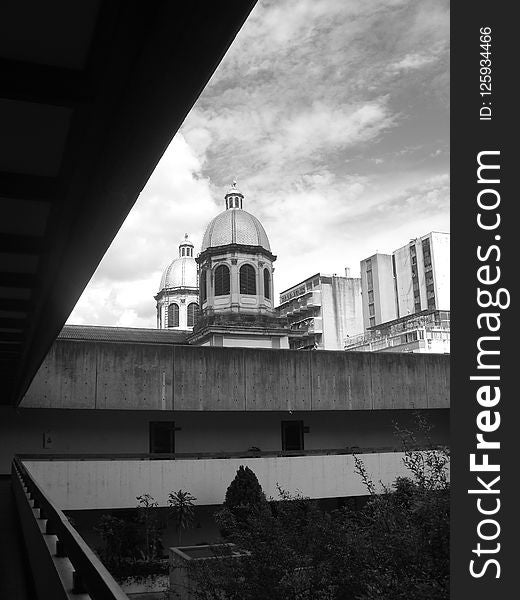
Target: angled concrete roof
point(91, 94)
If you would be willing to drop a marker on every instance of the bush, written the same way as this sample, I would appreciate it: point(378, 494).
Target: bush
point(396, 547)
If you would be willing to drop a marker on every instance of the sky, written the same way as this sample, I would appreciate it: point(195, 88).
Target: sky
point(333, 116)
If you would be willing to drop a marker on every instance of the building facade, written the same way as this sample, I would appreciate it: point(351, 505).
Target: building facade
point(322, 311)
point(406, 298)
point(422, 274)
point(114, 413)
point(178, 298)
point(413, 278)
point(236, 282)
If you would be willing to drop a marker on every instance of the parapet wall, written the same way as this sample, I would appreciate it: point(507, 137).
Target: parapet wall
point(107, 375)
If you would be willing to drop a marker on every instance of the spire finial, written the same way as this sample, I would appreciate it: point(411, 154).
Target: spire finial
point(185, 236)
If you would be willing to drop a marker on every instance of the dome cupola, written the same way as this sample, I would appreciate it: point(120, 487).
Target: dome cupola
point(186, 247)
point(234, 197)
point(235, 225)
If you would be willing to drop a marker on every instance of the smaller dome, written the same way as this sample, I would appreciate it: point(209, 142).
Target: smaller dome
point(181, 272)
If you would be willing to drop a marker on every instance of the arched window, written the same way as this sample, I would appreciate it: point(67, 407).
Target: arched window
point(203, 287)
point(247, 280)
point(193, 309)
point(173, 315)
point(221, 280)
point(267, 284)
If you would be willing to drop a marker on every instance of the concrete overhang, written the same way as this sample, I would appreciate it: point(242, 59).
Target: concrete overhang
point(91, 94)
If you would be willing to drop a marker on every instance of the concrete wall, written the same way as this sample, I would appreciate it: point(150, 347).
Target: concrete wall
point(117, 432)
point(88, 484)
point(341, 311)
point(101, 375)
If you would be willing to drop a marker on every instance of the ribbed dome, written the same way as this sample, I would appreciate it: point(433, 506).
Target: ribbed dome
point(181, 273)
point(235, 226)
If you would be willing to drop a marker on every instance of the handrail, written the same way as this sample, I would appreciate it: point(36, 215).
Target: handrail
point(90, 575)
point(215, 455)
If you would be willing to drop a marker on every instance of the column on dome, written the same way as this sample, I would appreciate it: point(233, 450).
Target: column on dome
point(235, 289)
point(211, 285)
point(260, 288)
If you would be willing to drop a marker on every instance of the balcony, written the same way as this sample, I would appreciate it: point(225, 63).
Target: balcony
point(411, 340)
point(112, 481)
point(314, 299)
point(316, 325)
point(297, 307)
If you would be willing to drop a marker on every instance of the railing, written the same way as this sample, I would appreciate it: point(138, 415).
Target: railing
point(378, 340)
point(215, 455)
point(61, 562)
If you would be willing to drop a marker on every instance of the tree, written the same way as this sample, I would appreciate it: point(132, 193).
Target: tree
point(151, 527)
point(182, 510)
point(244, 494)
point(396, 547)
point(121, 538)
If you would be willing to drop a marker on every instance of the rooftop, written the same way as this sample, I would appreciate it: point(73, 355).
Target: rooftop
point(123, 334)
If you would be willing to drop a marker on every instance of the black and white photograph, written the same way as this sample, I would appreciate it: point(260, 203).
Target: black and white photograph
point(227, 265)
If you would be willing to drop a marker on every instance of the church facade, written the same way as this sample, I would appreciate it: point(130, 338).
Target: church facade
point(225, 295)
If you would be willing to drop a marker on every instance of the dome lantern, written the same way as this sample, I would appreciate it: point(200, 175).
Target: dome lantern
point(186, 247)
point(234, 197)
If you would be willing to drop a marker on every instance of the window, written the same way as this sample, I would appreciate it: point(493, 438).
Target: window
point(173, 315)
point(193, 309)
point(221, 280)
point(292, 435)
point(162, 437)
point(372, 321)
point(371, 310)
point(267, 284)
point(247, 280)
point(370, 296)
point(370, 281)
point(203, 287)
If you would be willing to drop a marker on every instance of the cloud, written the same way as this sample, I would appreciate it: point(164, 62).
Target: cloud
point(413, 61)
point(331, 115)
point(176, 200)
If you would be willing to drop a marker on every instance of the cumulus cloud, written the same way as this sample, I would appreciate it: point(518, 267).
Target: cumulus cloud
point(331, 114)
point(177, 200)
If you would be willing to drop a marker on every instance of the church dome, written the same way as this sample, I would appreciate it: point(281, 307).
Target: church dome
point(235, 226)
point(181, 272)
